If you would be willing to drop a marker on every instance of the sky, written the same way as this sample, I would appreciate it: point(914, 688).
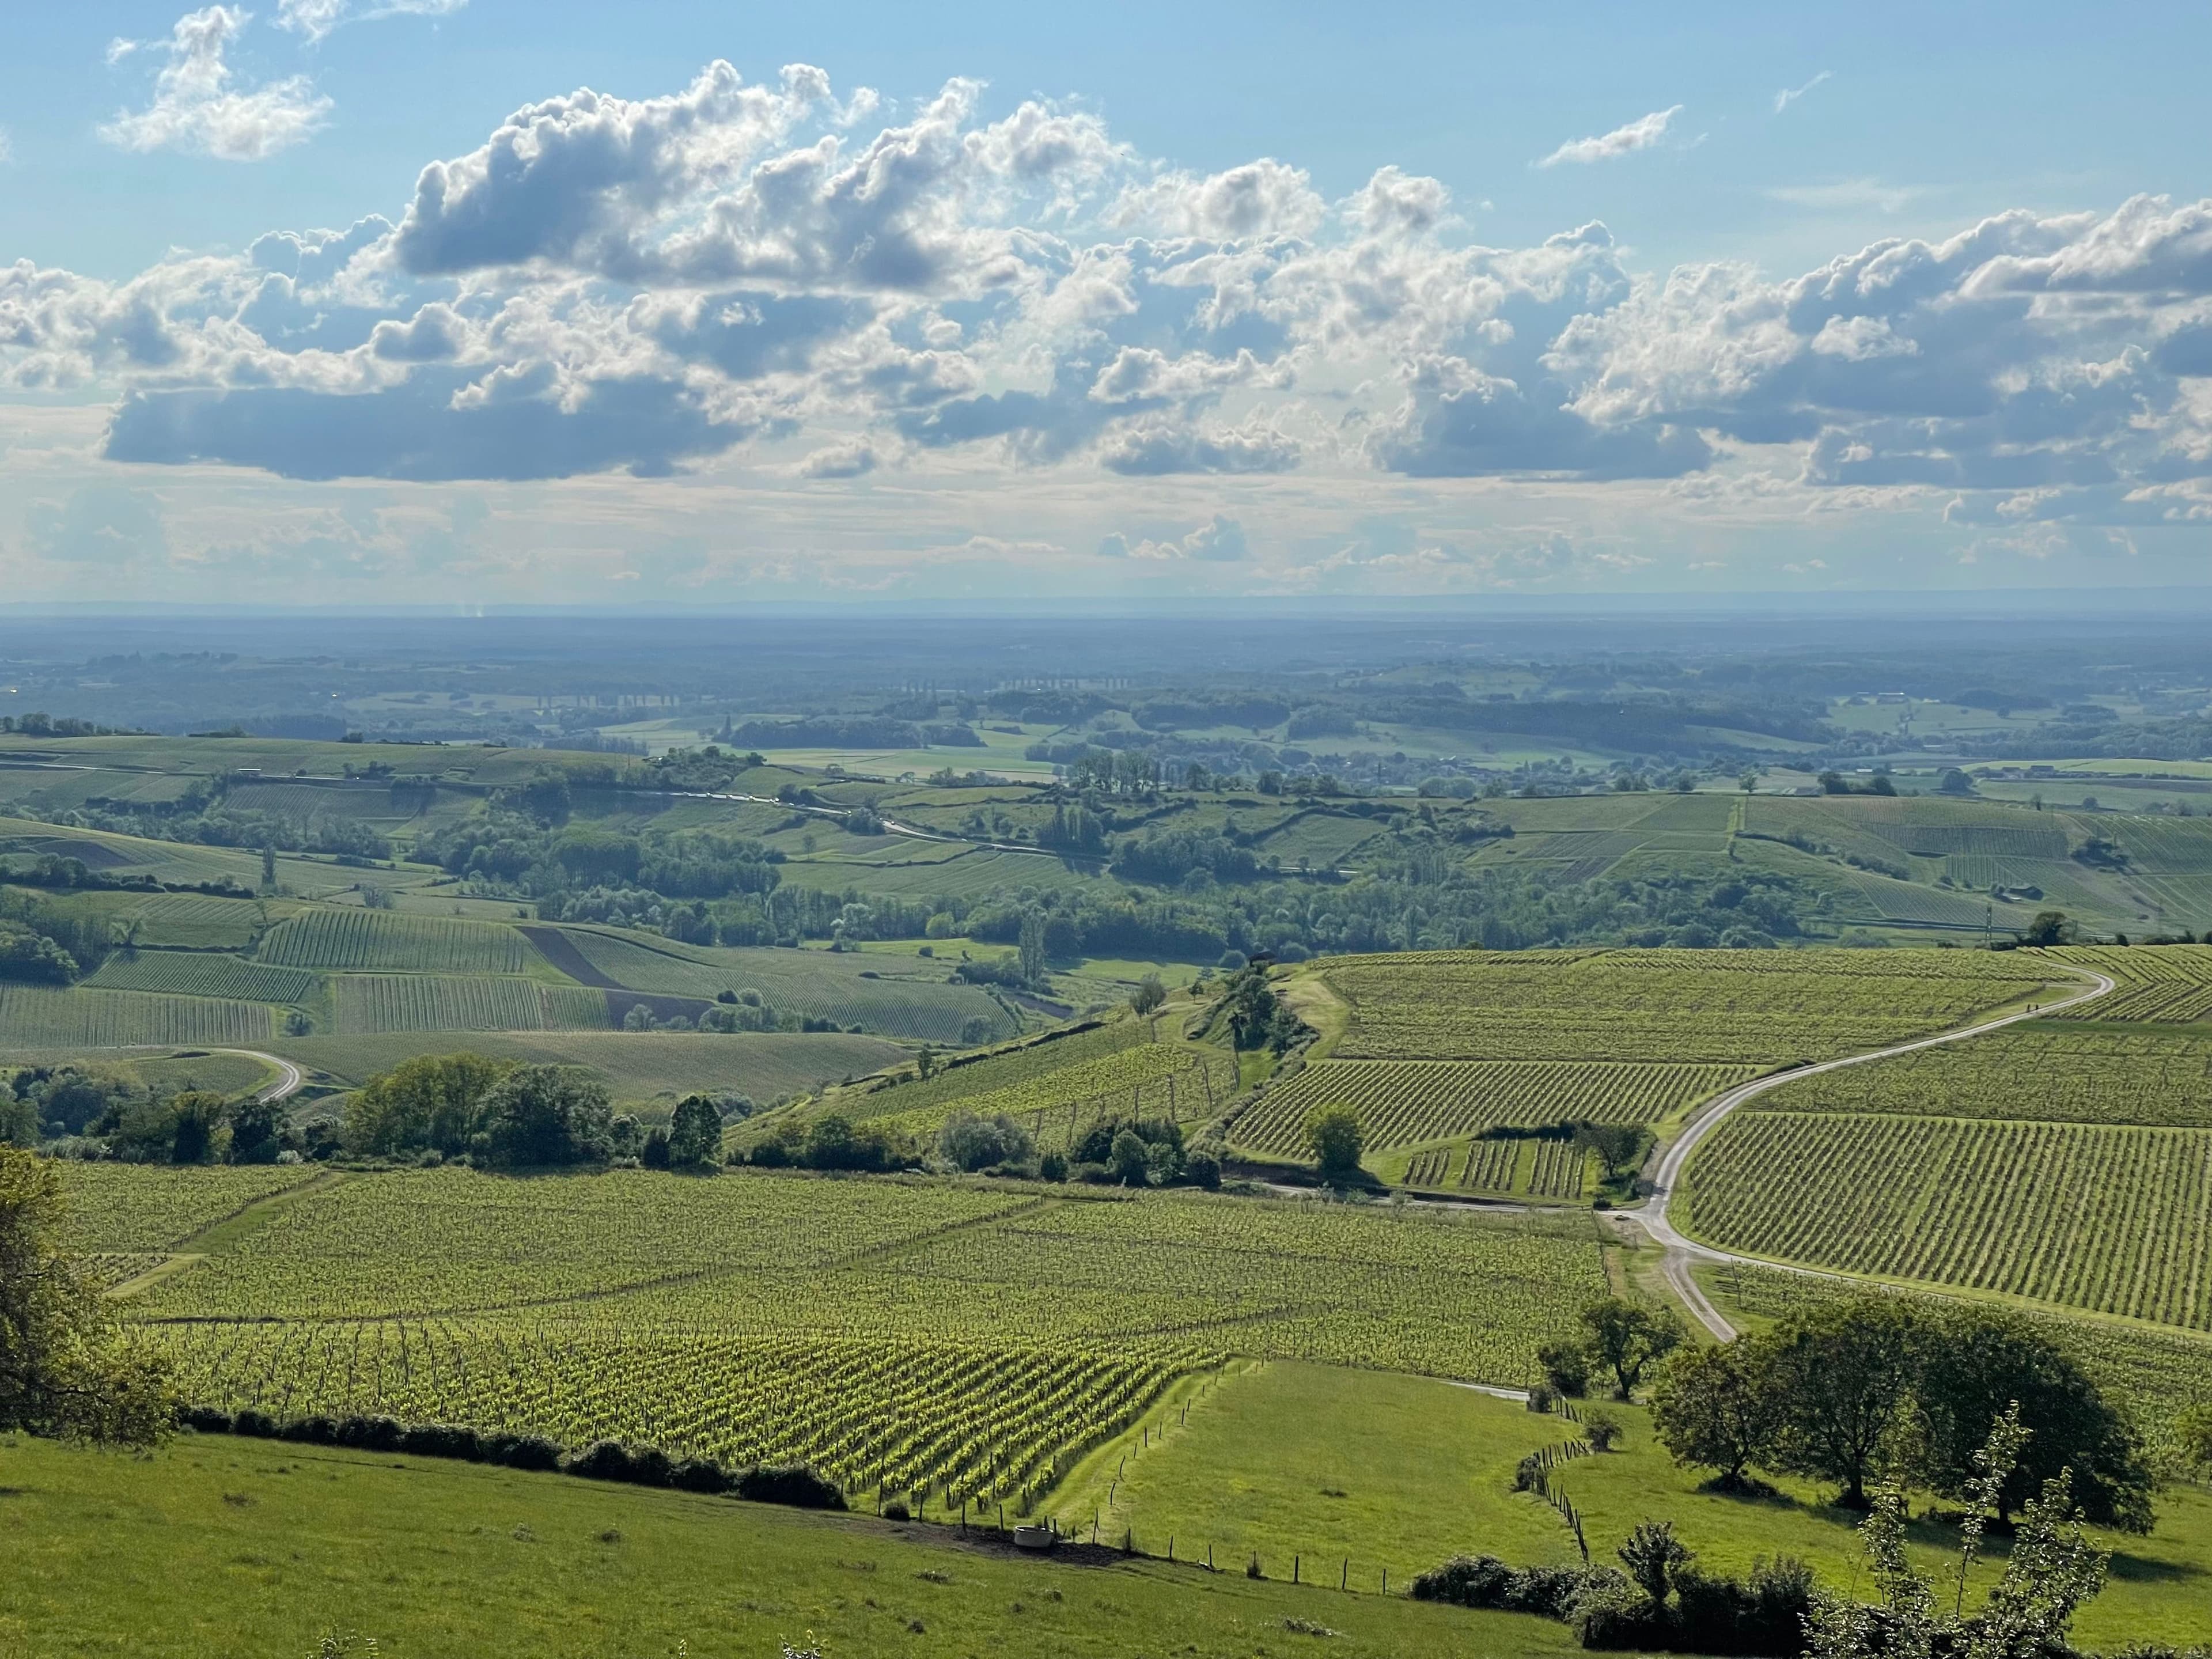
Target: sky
point(491, 301)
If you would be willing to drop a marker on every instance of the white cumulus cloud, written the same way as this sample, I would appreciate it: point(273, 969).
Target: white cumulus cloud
point(200, 107)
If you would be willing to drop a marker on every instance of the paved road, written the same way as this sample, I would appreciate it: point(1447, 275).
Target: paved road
point(288, 1076)
point(1681, 1252)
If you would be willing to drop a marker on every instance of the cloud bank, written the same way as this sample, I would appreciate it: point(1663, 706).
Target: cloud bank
point(651, 284)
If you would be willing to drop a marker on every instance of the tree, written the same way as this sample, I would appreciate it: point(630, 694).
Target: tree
point(1148, 996)
point(64, 1371)
point(198, 1115)
point(1615, 1144)
point(694, 1132)
point(2049, 927)
point(924, 1063)
point(432, 1101)
point(1848, 1370)
point(1719, 1407)
point(1954, 783)
point(1654, 1558)
point(1979, 1363)
point(972, 1143)
point(256, 1131)
point(2052, 1571)
point(1749, 782)
point(1335, 1137)
point(1031, 944)
point(1627, 1337)
point(1131, 1159)
point(268, 864)
point(537, 1115)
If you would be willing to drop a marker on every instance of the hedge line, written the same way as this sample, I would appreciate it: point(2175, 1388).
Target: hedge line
point(794, 1484)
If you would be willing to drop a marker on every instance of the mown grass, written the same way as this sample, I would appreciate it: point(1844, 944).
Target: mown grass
point(1405, 1471)
point(220, 1547)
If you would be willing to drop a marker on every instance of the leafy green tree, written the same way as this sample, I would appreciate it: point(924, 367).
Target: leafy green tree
point(971, 1143)
point(1148, 996)
point(256, 1131)
point(1336, 1137)
point(268, 864)
point(199, 1115)
point(2052, 1571)
point(432, 1101)
point(546, 1115)
point(1131, 1160)
point(64, 1370)
point(1978, 1364)
point(1848, 1371)
point(1626, 1338)
point(2049, 927)
point(1614, 1144)
point(1031, 946)
point(1720, 1407)
point(1655, 1557)
point(694, 1132)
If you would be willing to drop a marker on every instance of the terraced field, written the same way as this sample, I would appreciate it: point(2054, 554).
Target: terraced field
point(382, 941)
point(964, 1076)
point(2165, 983)
point(1181, 1082)
point(34, 1017)
point(202, 973)
point(2110, 1219)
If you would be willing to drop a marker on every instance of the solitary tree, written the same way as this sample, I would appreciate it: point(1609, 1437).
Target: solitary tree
point(1336, 1137)
point(694, 1132)
point(2049, 927)
point(268, 864)
point(62, 1370)
point(1625, 1338)
point(1719, 1407)
point(1848, 1371)
point(1615, 1144)
point(1148, 996)
point(1031, 945)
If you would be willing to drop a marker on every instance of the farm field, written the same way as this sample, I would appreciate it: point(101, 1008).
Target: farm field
point(638, 1065)
point(158, 1067)
point(38, 1017)
point(1744, 1007)
point(2054, 1072)
point(2110, 1219)
point(369, 1003)
point(1011, 1067)
point(143, 1207)
point(1409, 1102)
point(122, 1556)
point(202, 973)
point(384, 941)
point(2165, 984)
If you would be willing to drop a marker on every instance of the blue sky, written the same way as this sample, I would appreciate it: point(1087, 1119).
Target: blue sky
point(1146, 299)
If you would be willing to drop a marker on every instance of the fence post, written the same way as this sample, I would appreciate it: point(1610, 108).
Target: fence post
point(1386, 1581)
point(1343, 1578)
point(1294, 1569)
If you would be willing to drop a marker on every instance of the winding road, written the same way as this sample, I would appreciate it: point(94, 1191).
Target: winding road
point(1682, 1252)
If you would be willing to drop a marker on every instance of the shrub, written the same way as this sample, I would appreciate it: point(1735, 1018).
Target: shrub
point(1203, 1170)
point(1053, 1166)
point(896, 1511)
point(699, 1474)
point(1602, 1430)
point(1484, 1580)
point(791, 1484)
point(602, 1460)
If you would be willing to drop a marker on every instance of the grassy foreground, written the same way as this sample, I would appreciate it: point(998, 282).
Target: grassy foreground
point(218, 1546)
point(1396, 1471)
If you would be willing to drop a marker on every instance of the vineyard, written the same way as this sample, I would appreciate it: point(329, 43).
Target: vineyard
point(2167, 983)
point(142, 1207)
point(1406, 1102)
point(371, 1003)
point(1744, 1007)
point(33, 1017)
point(202, 973)
point(939, 1423)
point(903, 1093)
point(1538, 1167)
point(2113, 1220)
point(382, 941)
point(1178, 1081)
point(2060, 1074)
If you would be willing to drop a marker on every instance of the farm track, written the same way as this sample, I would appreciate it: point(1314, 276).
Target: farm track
point(1681, 1251)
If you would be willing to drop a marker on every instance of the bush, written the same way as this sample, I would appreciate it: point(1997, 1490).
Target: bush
point(896, 1510)
point(794, 1485)
point(1203, 1170)
point(1484, 1580)
point(602, 1460)
point(1053, 1166)
point(1602, 1430)
point(699, 1474)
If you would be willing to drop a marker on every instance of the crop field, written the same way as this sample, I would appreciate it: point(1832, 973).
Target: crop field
point(638, 1065)
point(1179, 1081)
point(2165, 983)
point(36, 1017)
point(369, 1003)
point(924, 1007)
point(202, 973)
point(1746, 1007)
point(2113, 1220)
point(945, 1423)
point(2059, 1072)
point(382, 941)
point(152, 1207)
point(1404, 1102)
point(1007, 1068)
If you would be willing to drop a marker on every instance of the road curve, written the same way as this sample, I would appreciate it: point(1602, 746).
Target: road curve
point(1681, 1252)
point(289, 1078)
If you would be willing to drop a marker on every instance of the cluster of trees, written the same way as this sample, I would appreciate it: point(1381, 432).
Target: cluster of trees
point(93, 1111)
point(499, 1113)
point(539, 857)
point(1253, 1015)
point(43, 945)
point(1878, 1389)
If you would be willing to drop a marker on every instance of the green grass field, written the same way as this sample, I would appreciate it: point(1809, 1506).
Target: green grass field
point(220, 1547)
point(1355, 1473)
point(37, 1017)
